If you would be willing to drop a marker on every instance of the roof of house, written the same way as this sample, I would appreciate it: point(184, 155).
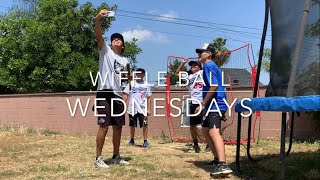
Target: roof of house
point(238, 77)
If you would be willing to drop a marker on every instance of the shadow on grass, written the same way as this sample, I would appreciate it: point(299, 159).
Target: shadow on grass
point(300, 165)
point(109, 160)
point(139, 146)
point(48, 132)
point(186, 148)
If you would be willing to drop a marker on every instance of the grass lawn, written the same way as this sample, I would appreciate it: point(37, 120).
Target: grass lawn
point(31, 154)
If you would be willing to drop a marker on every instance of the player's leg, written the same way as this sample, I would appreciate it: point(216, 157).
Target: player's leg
point(143, 120)
point(103, 122)
point(117, 123)
point(222, 168)
point(132, 124)
point(194, 121)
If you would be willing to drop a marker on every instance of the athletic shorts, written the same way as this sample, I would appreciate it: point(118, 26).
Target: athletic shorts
point(133, 120)
point(213, 119)
point(118, 108)
point(195, 120)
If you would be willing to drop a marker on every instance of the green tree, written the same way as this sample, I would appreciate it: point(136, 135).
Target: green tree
point(223, 54)
point(222, 58)
point(308, 83)
point(313, 30)
point(174, 66)
point(266, 59)
point(53, 49)
point(25, 7)
point(131, 52)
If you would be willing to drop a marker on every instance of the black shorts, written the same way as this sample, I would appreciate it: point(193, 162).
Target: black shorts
point(195, 120)
point(213, 119)
point(133, 120)
point(118, 108)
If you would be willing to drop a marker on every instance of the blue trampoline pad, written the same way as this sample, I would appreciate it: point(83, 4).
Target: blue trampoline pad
point(281, 104)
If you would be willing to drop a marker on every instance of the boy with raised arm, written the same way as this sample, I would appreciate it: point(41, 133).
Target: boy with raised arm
point(111, 64)
point(195, 93)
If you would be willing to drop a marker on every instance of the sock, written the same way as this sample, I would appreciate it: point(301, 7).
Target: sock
point(195, 142)
point(132, 139)
point(222, 162)
point(145, 141)
point(114, 156)
point(215, 161)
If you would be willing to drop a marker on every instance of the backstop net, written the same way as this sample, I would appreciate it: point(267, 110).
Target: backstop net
point(239, 75)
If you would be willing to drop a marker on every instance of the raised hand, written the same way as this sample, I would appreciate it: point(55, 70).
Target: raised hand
point(185, 60)
point(102, 13)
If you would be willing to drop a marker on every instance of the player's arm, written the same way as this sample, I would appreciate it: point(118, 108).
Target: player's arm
point(126, 93)
point(149, 94)
point(209, 96)
point(149, 106)
point(125, 97)
point(207, 99)
point(181, 66)
point(97, 27)
point(129, 76)
point(212, 90)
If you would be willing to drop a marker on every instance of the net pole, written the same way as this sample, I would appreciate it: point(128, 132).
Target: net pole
point(168, 94)
point(297, 51)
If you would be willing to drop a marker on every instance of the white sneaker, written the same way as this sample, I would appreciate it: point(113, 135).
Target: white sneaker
point(119, 160)
point(99, 163)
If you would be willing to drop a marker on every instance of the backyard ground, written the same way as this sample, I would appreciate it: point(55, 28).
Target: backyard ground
point(30, 154)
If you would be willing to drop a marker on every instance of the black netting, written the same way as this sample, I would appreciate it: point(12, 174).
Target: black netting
point(286, 17)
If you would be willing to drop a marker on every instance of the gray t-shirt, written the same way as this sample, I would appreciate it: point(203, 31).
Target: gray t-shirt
point(110, 65)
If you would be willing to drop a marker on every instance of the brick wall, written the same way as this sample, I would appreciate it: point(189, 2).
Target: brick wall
point(50, 111)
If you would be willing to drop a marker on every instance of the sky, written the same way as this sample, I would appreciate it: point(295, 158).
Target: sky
point(240, 22)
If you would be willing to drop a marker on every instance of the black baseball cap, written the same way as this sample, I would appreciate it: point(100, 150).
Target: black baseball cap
point(207, 47)
point(118, 35)
point(141, 70)
point(194, 62)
